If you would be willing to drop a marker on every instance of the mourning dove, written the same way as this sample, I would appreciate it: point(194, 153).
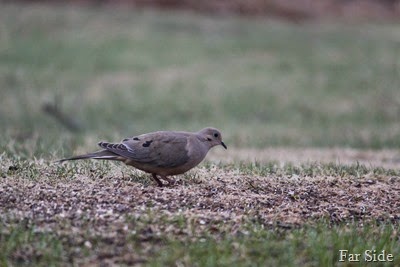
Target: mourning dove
point(160, 153)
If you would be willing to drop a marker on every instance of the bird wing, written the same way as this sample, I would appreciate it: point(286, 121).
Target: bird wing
point(160, 149)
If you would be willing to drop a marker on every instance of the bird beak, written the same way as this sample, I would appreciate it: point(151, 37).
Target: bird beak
point(222, 144)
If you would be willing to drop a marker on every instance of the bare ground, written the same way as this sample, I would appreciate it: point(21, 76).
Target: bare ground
point(215, 195)
point(213, 200)
point(226, 193)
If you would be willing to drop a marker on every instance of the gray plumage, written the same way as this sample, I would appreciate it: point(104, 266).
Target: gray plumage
point(160, 153)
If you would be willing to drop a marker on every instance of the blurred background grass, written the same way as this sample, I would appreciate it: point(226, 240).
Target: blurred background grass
point(120, 72)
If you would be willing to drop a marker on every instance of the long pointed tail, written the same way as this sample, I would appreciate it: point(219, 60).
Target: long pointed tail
point(102, 154)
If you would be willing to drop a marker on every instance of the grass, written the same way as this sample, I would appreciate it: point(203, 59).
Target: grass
point(244, 214)
point(263, 83)
point(310, 246)
point(312, 169)
point(23, 247)
point(252, 245)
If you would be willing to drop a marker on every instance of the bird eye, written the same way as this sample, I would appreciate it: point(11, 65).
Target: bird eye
point(216, 135)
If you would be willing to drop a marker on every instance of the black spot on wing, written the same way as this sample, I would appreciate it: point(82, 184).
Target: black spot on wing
point(103, 144)
point(136, 138)
point(125, 140)
point(122, 147)
point(147, 143)
point(110, 145)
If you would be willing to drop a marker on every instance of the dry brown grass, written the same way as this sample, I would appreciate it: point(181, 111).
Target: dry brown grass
point(226, 194)
point(116, 211)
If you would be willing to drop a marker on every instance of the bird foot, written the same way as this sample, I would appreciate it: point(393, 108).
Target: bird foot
point(165, 178)
point(170, 181)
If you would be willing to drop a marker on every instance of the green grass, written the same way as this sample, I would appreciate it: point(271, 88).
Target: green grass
point(311, 169)
point(252, 245)
point(263, 83)
point(21, 246)
point(309, 246)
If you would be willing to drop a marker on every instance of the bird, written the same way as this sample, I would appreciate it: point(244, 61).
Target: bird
point(161, 153)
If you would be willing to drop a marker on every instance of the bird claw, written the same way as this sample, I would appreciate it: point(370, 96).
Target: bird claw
point(165, 178)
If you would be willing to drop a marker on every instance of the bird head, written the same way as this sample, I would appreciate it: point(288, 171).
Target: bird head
point(212, 136)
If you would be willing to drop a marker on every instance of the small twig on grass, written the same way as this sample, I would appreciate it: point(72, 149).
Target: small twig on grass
point(53, 110)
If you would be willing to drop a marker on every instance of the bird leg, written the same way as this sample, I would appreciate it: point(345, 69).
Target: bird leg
point(170, 181)
point(157, 180)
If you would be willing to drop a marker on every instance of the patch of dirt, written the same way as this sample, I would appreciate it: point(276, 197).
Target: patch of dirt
point(215, 194)
point(208, 201)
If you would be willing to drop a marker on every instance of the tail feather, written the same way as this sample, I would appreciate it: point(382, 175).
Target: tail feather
point(102, 154)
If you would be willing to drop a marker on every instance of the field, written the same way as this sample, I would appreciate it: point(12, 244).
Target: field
point(310, 113)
